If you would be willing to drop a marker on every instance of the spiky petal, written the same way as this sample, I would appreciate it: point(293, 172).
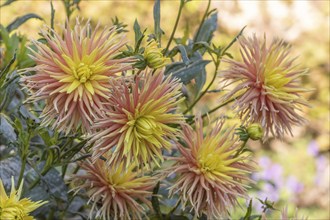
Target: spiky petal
point(73, 72)
point(13, 207)
point(139, 119)
point(210, 174)
point(267, 84)
point(115, 191)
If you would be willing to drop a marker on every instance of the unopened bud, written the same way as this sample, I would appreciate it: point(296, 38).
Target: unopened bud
point(154, 56)
point(255, 131)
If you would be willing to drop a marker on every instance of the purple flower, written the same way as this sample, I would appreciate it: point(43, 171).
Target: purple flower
point(321, 164)
point(313, 148)
point(293, 185)
point(271, 172)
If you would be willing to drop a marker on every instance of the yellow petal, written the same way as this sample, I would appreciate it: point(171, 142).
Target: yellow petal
point(73, 86)
point(68, 79)
point(89, 87)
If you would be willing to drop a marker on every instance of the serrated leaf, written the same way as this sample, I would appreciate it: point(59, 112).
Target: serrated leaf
point(188, 72)
point(21, 20)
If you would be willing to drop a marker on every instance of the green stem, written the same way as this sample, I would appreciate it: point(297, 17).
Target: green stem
point(21, 173)
point(175, 26)
point(203, 19)
point(216, 108)
point(44, 172)
point(242, 147)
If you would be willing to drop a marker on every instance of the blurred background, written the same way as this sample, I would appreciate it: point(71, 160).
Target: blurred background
point(293, 172)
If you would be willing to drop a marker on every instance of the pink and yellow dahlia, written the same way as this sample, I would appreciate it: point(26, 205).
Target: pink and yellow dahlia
point(115, 191)
point(210, 176)
point(139, 119)
point(73, 72)
point(268, 87)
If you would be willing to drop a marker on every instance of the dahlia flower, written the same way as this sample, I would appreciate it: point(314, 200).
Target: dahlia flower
point(210, 173)
point(138, 122)
point(118, 190)
point(73, 72)
point(13, 207)
point(268, 88)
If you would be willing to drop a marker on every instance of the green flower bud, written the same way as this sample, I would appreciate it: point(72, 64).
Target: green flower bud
point(255, 131)
point(154, 57)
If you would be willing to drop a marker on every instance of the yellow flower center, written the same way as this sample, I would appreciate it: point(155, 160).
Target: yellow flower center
point(83, 72)
point(12, 212)
point(143, 126)
point(215, 161)
point(209, 162)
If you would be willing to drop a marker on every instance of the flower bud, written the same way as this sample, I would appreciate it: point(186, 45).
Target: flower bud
point(255, 131)
point(154, 56)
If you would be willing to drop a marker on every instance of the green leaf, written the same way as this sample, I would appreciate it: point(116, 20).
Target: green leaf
point(52, 15)
point(186, 72)
point(201, 77)
point(178, 217)
point(8, 2)
point(5, 70)
point(21, 20)
point(155, 201)
point(248, 211)
point(180, 48)
point(137, 31)
point(158, 31)
point(208, 28)
point(7, 132)
point(139, 35)
point(70, 6)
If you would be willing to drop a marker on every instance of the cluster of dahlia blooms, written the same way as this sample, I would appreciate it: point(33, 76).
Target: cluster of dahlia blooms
point(131, 117)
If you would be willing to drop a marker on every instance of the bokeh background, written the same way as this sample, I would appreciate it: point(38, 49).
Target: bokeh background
point(293, 172)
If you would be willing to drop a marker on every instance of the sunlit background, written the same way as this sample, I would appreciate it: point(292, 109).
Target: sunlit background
point(293, 172)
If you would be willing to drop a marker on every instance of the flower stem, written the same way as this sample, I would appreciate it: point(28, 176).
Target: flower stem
point(175, 26)
point(21, 173)
point(214, 109)
point(241, 148)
